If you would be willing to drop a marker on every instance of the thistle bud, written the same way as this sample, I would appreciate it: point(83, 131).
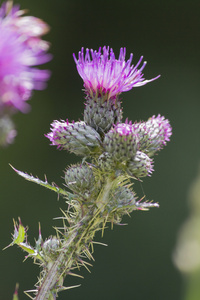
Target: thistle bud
point(153, 134)
point(121, 142)
point(122, 201)
point(122, 197)
point(76, 137)
point(159, 131)
point(101, 113)
point(106, 162)
point(51, 246)
point(80, 179)
point(140, 166)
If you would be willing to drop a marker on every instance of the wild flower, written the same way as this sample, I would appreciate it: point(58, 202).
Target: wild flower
point(99, 189)
point(21, 49)
point(103, 74)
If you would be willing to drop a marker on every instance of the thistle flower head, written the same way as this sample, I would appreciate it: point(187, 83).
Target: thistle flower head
point(21, 48)
point(124, 129)
point(103, 74)
point(121, 142)
point(76, 137)
point(154, 134)
point(81, 180)
point(159, 127)
point(140, 166)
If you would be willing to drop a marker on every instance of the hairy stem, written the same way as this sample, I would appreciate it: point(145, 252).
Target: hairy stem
point(71, 247)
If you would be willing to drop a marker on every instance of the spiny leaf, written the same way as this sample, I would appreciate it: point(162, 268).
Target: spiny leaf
point(20, 235)
point(45, 183)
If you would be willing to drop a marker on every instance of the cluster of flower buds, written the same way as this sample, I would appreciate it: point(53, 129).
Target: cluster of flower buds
point(113, 152)
point(112, 147)
point(117, 147)
point(21, 48)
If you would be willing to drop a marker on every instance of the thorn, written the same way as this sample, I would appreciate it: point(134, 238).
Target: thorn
point(121, 224)
point(83, 264)
point(92, 247)
point(99, 243)
point(26, 293)
point(88, 254)
point(45, 178)
point(57, 230)
point(20, 223)
point(64, 288)
point(13, 167)
point(104, 224)
point(40, 233)
point(75, 275)
point(31, 291)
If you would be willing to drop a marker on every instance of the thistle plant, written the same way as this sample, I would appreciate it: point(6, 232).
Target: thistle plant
point(99, 188)
point(21, 48)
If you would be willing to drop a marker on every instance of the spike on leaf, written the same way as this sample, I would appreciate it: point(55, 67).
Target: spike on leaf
point(45, 183)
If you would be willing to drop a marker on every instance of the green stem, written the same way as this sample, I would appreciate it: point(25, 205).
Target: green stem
point(71, 248)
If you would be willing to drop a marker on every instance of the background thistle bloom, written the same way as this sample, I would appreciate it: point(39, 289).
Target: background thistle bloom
point(21, 48)
point(103, 73)
point(7, 131)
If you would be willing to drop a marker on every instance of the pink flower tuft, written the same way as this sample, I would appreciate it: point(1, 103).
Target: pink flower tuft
point(103, 73)
point(21, 48)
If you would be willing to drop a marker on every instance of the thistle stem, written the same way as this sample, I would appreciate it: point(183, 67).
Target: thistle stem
point(72, 247)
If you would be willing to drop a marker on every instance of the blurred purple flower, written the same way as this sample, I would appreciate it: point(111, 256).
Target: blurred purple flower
point(102, 73)
point(21, 48)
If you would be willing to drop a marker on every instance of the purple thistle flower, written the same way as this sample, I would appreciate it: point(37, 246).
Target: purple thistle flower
point(21, 48)
point(102, 73)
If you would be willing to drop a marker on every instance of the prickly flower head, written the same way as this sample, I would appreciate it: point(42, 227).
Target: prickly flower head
point(103, 74)
point(153, 134)
point(76, 137)
point(124, 129)
point(21, 48)
point(121, 142)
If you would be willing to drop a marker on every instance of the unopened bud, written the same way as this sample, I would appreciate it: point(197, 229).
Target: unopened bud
point(140, 166)
point(51, 246)
point(80, 179)
point(121, 142)
point(76, 137)
point(101, 113)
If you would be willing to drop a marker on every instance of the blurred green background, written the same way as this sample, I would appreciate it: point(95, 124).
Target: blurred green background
point(138, 262)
